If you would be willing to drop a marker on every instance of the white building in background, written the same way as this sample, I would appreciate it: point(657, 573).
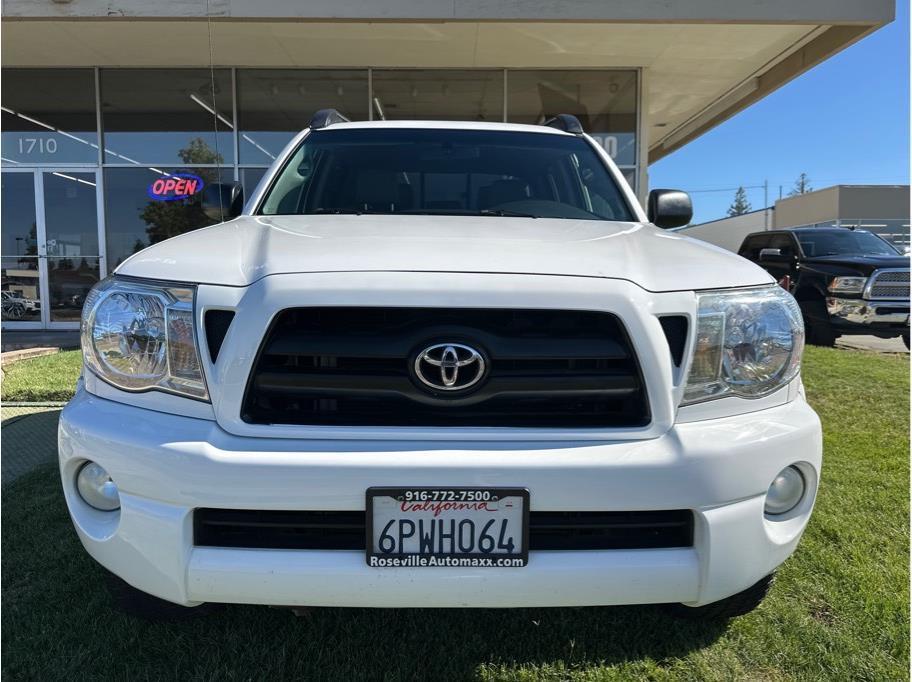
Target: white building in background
point(881, 209)
point(102, 97)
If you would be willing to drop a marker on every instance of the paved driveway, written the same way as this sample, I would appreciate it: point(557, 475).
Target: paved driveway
point(872, 343)
point(29, 439)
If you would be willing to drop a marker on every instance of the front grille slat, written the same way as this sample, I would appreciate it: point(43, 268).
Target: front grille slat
point(890, 284)
point(290, 344)
point(345, 530)
point(333, 385)
point(354, 367)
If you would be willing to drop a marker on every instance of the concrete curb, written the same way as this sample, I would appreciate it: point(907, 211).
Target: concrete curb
point(12, 356)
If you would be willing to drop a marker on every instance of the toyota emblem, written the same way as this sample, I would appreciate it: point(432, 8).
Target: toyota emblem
point(449, 366)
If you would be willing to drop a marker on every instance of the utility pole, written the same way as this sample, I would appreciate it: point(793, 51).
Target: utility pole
point(766, 205)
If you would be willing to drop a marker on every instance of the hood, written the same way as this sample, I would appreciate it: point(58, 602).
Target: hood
point(248, 248)
point(864, 265)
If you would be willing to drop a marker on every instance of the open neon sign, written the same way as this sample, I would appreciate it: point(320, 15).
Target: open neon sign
point(175, 186)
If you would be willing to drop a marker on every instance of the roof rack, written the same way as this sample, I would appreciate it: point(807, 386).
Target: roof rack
point(566, 122)
point(326, 117)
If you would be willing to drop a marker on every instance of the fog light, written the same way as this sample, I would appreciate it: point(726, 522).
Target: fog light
point(785, 492)
point(96, 487)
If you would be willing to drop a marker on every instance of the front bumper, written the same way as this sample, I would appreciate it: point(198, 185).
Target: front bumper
point(868, 317)
point(166, 465)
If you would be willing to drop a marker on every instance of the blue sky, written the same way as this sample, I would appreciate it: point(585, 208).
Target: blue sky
point(846, 121)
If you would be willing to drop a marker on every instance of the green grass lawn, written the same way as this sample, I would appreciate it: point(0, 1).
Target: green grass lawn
point(47, 378)
point(838, 610)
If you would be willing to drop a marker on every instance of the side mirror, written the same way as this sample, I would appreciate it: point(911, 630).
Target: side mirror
point(774, 256)
point(667, 208)
point(223, 200)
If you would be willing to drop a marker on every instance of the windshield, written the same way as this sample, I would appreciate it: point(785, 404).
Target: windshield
point(446, 172)
point(844, 243)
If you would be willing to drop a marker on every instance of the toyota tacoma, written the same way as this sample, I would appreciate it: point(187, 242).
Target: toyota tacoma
point(440, 364)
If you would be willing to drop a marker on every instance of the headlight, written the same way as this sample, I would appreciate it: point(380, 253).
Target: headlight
point(749, 343)
point(140, 336)
point(848, 285)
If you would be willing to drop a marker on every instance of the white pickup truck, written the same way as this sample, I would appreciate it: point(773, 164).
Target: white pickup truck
point(440, 364)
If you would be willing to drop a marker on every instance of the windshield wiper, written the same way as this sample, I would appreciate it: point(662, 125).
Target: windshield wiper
point(505, 213)
point(344, 211)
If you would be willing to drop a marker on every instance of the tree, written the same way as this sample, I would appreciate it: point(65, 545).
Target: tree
point(740, 205)
point(802, 186)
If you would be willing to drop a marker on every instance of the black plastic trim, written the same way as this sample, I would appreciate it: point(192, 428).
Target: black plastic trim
point(216, 323)
point(346, 530)
point(675, 329)
point(566, 122)
point(326, 117)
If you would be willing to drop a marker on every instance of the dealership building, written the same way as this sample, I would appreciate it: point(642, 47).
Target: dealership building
point(102, 99)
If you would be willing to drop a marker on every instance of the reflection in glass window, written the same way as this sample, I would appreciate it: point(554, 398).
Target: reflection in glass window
point(134, 219)
point(167, 116)
point(630, 175)
point(69, 281)
point(70, 220)
point(19, 221)
point(250, 178)
point(49, 116)
point(603, 101)
point(438, 94)
point(276, 104)
point(20, 296)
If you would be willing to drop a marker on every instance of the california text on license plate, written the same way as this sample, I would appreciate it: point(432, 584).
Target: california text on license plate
point(475, 527)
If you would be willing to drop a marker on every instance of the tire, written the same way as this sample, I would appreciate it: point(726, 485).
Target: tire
point(138, 604)
point(817, 327)
point(730, 607)
point(905, 338)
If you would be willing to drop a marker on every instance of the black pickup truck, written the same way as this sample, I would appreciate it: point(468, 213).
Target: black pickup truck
point(846, 281)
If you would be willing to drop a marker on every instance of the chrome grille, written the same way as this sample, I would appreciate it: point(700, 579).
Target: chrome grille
point(889, 284)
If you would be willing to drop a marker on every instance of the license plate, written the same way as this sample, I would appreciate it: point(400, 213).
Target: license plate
point(429, 527)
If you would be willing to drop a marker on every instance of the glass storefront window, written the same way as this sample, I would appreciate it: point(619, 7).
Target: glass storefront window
point(70, 215)
point(605, 102)
point(21, 297)
point(49, 116)
point(69, 282)
point(71, 231)
point(167, 116)
point(250, 178)
point(438, 94)
point(137, 216)
point(276, 104)
point(630, 175)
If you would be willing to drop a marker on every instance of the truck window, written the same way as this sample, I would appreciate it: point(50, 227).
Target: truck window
point(750, 249)
point(784, 243)
point(843, 242)
point(446, 172)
